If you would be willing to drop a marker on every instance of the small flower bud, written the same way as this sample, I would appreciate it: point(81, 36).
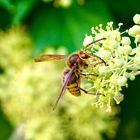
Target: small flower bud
point(137, 38)
point(110, 23)
point(120, 24)
point(135, 30)
point(125, 41)
point(103, 70)
point(119, 62)
point(127, 49)
point(136, 19)
point(122, 81)
point(137, 60)
point(120, 50)
point(113, 44)
point(134, 51)
point(87, 40)
point(118, 97)
point(105, 54)
point(132, 77)
point(127, 75)
point(137, 50)
point(113, 79)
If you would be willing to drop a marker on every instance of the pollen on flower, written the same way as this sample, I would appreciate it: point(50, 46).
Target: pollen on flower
point(122, 61)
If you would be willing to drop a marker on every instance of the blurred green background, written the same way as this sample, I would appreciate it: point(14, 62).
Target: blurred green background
point(28, 90)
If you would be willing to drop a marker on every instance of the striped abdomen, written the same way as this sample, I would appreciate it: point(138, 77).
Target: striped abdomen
point(74, 89)
point(73, 83)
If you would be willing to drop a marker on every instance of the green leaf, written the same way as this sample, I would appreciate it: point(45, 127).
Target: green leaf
point(22, 8)
point(19, 9)
point(66, 27)
point(5, 127)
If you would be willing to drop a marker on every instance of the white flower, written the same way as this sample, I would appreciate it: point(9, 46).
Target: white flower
point(127, 49)
point(103, 70)
point(122, 61)
point(125, 41)
point(122, 80)
point(118, 97)
point(137, 60)
point(104, 54)
point(87, 40)
point(135, 30)
point(136, 19)
point(119, 62)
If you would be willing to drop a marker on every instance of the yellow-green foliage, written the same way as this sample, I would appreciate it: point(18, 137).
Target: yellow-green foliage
point(28, 90)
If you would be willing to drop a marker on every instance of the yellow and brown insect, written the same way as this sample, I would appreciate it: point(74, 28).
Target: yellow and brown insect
point(75, 61)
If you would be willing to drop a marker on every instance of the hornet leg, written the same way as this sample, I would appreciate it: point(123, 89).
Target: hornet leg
point(86, 92)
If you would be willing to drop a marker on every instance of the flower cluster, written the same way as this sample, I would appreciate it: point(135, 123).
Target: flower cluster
point(28, 91)
point(122, 61)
